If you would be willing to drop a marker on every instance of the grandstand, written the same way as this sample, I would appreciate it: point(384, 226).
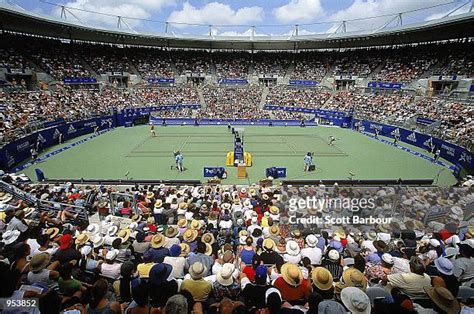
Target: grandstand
point(327, 168)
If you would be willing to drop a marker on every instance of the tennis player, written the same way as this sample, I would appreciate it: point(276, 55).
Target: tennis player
point(179, 161)
point(152, 130)
point(308, 161)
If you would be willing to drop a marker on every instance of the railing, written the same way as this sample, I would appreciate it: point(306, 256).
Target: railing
point(43, 205)
point(180, 28)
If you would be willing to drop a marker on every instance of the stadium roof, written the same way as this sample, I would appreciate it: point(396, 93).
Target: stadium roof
point(448, 27)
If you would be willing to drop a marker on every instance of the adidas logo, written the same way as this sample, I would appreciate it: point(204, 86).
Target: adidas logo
point(56, 134)
point(395, 132)
point(71, 129)
point(41, 138)
point(428, 142)
point(412, 137)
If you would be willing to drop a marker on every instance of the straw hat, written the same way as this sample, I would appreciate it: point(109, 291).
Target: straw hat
point(158, 203)
point(243, 233)
point(183, 205)
point(197, 270)
point(182, 223)
point(82, 239)
point(381, 246)
point(224, 276)
point(150, 194)
point(185, 249)
point(292, 248)
point(136, 218)
point(52, 232)
point(195, 224)
point(171, 232)
point(296, 233)
point(352, 277)
point(28, 211)
point(355, 300)
point(39, 261)
point(443, 298)
point(208, 238)
point(340, 233)
point(371, 235)
point(208, 251)
point(225, 206)
point(157, 241)
point(292, 274)
point(190, 235)
point(274, 230)
point(268, 244)
point(98, 241)
point(322, 278)
point(274, 210)
point(124, 234)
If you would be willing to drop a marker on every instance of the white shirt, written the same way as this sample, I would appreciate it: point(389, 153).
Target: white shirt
point(313, 253)
point(294, 259)
point(178, 265)
point(16, 224)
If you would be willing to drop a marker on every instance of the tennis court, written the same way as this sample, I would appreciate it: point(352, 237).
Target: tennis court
point(134, 152)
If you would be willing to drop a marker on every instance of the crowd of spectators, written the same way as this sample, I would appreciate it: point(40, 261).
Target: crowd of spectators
point(233, 65)
point(193, 62)
point(59, 62)
point(233, 103)
point(289, 96)
point(456, 119)
point(399, 64)
point(228, 249)
point(153, 64)
point(405, 64)
point(23, 112)
point(11, 59)
point(360, 63)
point(167, 95)
point(107, 59)
point(270, 64)
point(310, 66)
point(290, 115)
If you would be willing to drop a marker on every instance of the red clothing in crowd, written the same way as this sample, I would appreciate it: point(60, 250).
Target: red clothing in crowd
point(291, 293)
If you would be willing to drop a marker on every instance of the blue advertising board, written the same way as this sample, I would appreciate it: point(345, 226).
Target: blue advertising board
point(424, 121)
point(210, 172)
point(161, 80)
point(80, 80)
point(275, 172)
point(451, 152)
point(19, 150)
point(303, 83)
point(232, 81)
point(385, 85)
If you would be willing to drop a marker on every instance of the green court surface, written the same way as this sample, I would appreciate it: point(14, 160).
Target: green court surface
point(133, 150)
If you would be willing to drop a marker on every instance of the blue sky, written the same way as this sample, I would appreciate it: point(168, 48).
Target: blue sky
point(240, 12)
